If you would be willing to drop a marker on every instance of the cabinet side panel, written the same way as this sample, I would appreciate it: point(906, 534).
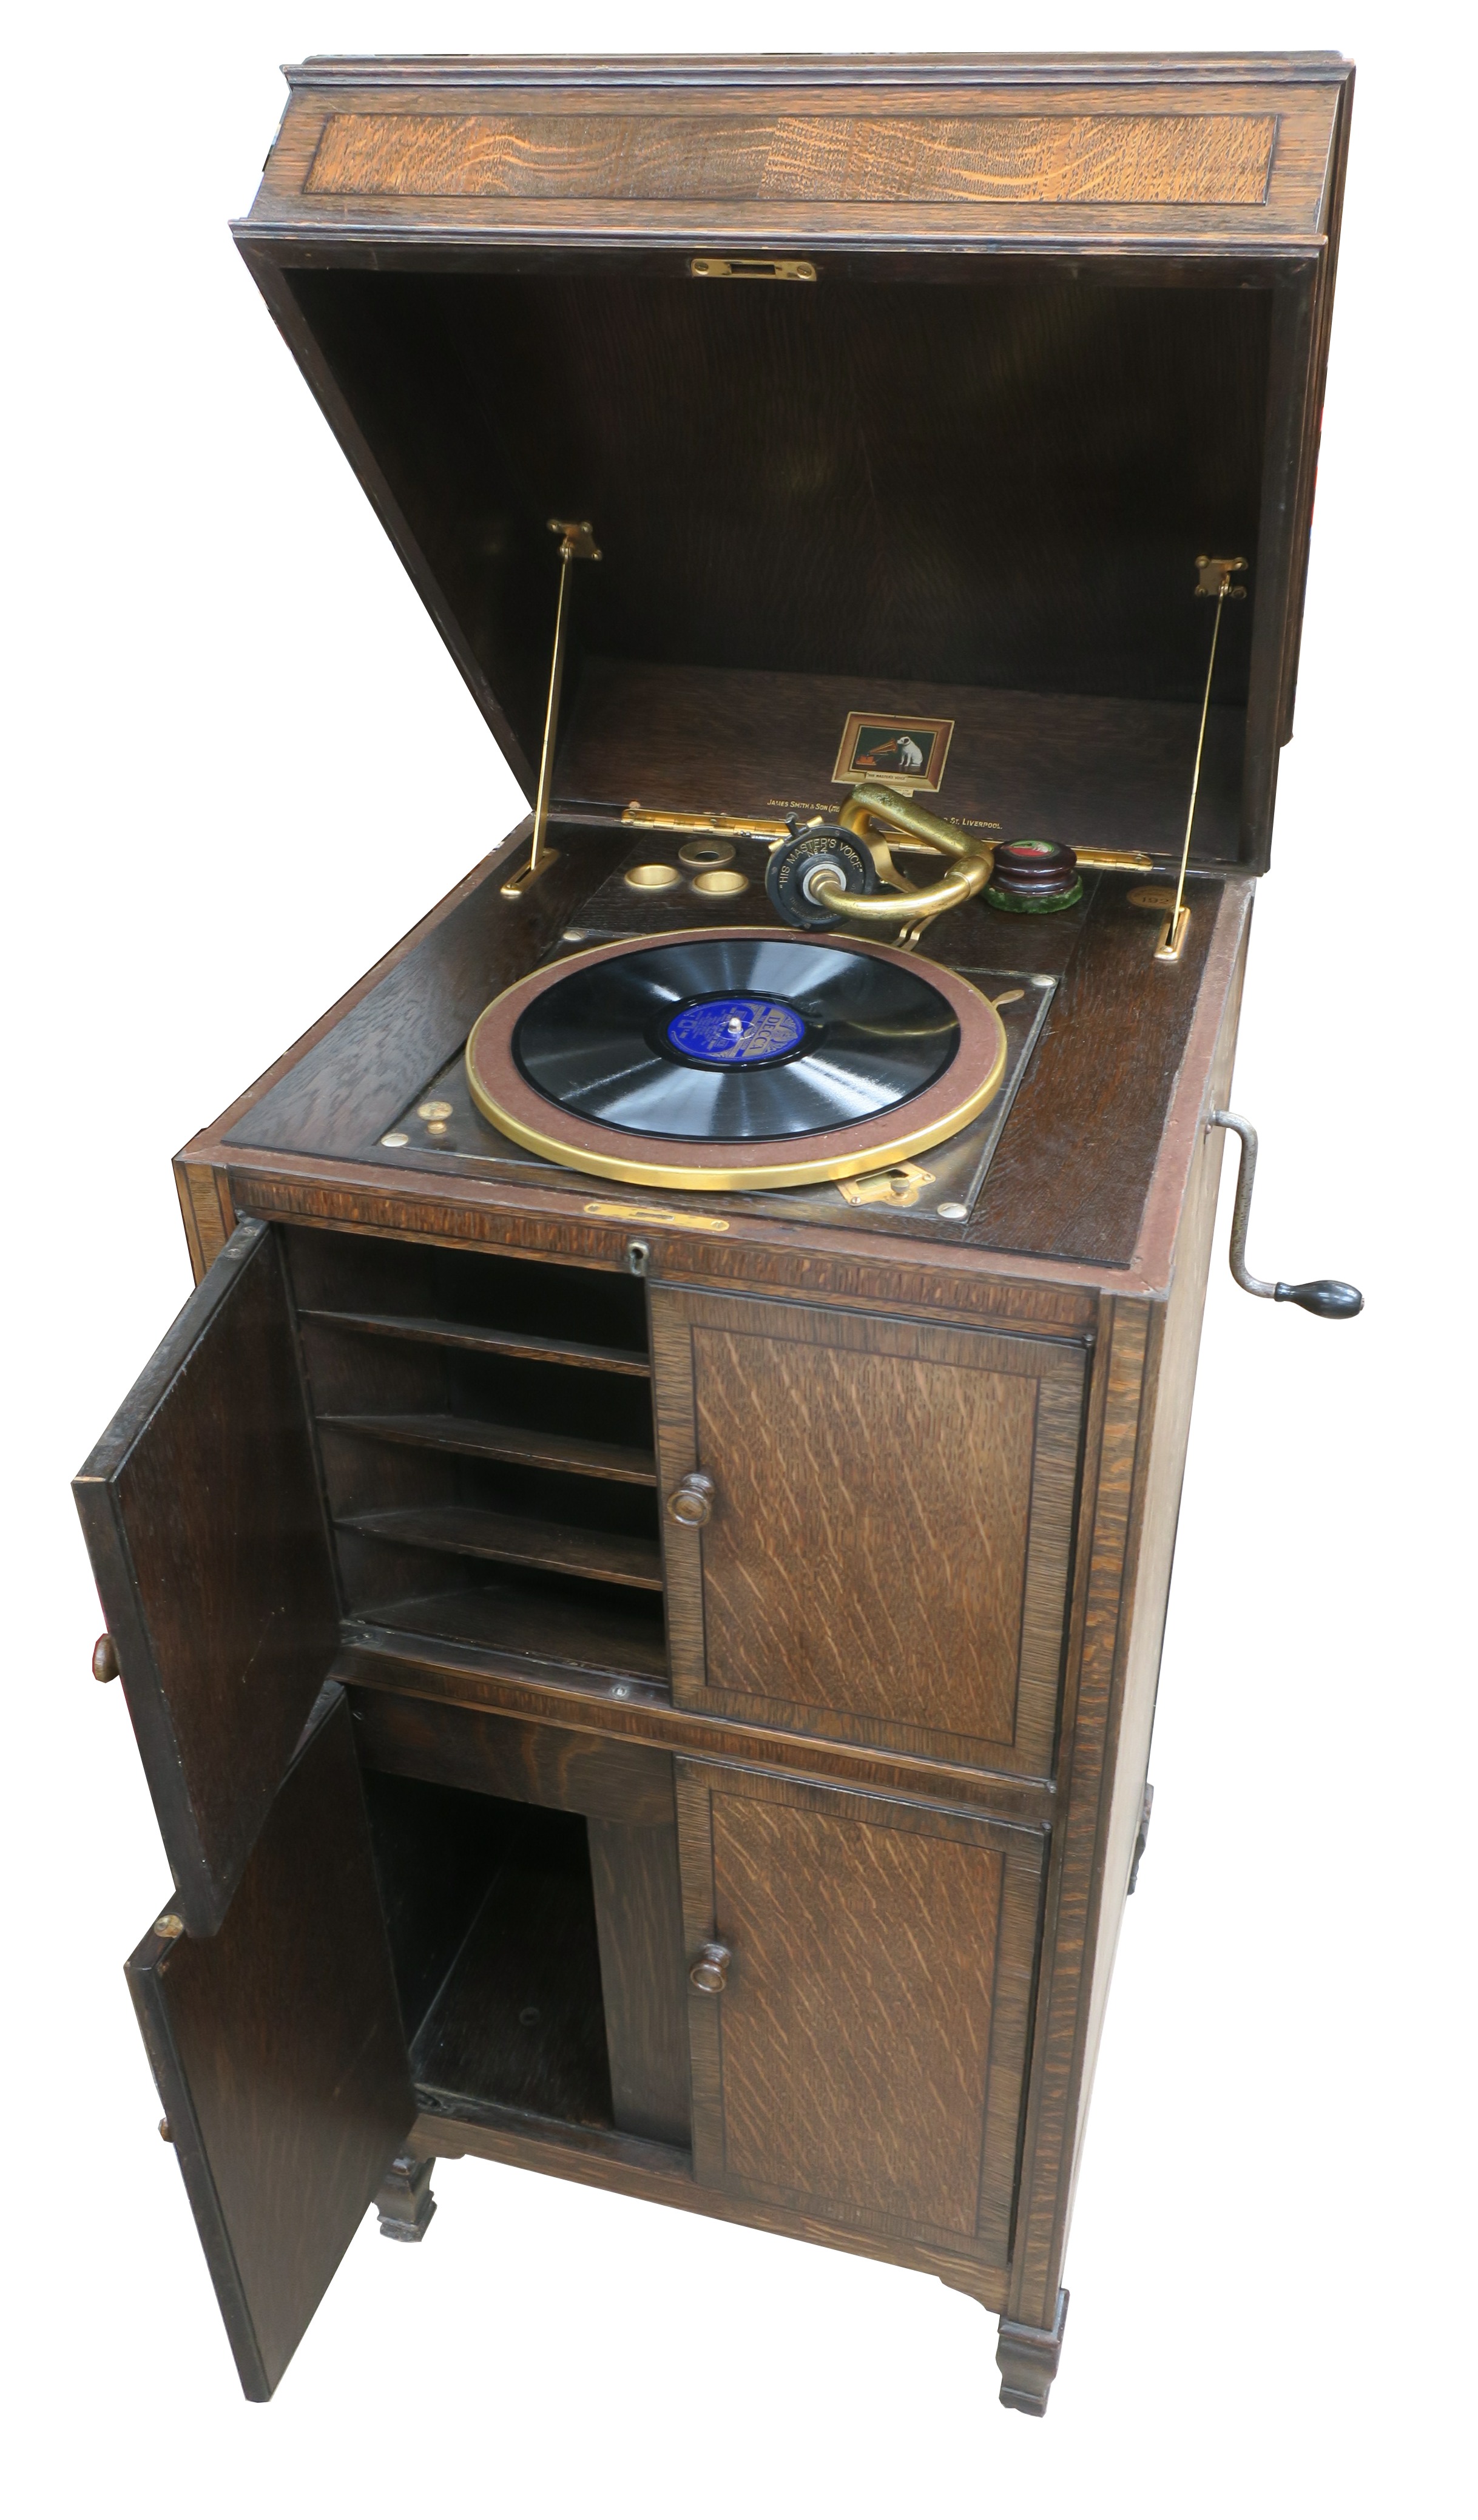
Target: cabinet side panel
point(1174, 1373)
point(1110, 1488)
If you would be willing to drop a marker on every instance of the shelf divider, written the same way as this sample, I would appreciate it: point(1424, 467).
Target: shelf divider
point(470, 1530)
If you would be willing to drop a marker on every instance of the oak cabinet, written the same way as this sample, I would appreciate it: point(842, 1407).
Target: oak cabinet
point(406, 1913)
point(658, 1689)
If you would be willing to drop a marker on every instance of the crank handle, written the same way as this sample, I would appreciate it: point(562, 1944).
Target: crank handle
point(1329, 1297)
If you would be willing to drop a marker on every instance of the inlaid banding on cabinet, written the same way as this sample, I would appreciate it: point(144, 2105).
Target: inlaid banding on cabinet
point(1203, 159)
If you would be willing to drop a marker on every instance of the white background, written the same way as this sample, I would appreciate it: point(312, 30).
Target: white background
point(241, 764)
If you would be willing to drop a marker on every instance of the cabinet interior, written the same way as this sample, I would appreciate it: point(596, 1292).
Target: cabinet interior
point(492, 1926)
point(485, 1432)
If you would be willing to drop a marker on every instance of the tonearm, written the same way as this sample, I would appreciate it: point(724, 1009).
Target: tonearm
point(823, 872)
point(828, 872)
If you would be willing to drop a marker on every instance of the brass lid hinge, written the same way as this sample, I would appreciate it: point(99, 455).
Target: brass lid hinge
point(749, 266)
point(1215, 576)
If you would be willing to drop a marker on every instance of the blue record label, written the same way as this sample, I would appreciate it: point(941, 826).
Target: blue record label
point(740, 1030)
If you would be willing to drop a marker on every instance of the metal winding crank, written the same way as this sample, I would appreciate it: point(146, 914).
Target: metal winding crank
point(1329, 1297)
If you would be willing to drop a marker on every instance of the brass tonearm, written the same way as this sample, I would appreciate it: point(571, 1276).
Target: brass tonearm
point(882, 820)
point(829, 872)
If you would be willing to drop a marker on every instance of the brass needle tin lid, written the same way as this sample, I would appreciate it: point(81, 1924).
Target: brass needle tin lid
point(654, 878)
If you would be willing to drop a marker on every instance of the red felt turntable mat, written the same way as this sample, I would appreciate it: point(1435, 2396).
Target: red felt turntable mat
point(503, 1095)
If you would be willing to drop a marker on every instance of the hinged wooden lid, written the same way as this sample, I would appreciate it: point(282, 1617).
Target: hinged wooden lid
point(908, 388)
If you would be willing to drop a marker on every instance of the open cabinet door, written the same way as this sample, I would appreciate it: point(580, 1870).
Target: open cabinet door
point(278, 2050)
point(203, 1517)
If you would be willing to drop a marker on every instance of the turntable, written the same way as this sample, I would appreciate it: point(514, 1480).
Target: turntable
point(640, 1572)
point(739, 1060)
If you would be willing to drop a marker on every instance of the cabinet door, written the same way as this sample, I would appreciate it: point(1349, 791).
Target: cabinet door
point(888, 1546)
point(278, 2050)
point(203, 1517)
point(865, 2061)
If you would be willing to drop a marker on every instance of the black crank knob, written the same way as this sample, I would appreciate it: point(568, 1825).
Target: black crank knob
point(1329, 1297)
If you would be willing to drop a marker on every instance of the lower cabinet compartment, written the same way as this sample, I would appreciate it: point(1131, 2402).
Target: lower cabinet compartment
point(859, 2053)
point(538, 1955)
point(519, 2019)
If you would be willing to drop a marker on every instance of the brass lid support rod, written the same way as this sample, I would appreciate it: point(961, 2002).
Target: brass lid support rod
point(576, 542)
point(1214, 579)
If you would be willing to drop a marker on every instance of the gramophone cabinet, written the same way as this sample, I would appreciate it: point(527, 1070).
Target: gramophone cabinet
point(652, 1684)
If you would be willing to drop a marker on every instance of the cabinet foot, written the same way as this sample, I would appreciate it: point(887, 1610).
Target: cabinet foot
point(404, 2202)
point(1028, 2358)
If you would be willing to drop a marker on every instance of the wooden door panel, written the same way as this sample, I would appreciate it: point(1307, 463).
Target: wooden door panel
point(865, 2059)
point(203, 1519)
point(280, 2057)
point(935, 1619)
point(888, 1552)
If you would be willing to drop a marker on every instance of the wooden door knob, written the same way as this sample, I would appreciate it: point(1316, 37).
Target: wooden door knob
point(709, 1972)
point(105, 1660)
point(692, 1499)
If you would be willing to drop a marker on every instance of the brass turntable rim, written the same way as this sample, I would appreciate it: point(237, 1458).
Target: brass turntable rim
point(505, 1098)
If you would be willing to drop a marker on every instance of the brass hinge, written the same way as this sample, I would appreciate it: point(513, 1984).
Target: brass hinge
point(898, 1187)
point(749, 266)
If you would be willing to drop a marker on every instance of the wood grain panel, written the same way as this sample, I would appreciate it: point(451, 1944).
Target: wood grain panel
point(1170, 1370)
point(1114, 1476)
point(548, 1763)
point(1123, 158)
point(204, 1521)
point(825, 1265)
point(660, 2175)
point(205, 1208)
point(887, 1558)
point(1059, 187)
point(1072, 1172)
point(639, 1917)
point(464, 1678)
point(857, 2021)
point(1092, 771)
point(884, 1590)
point(865, 2057)
point(279, 2054)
